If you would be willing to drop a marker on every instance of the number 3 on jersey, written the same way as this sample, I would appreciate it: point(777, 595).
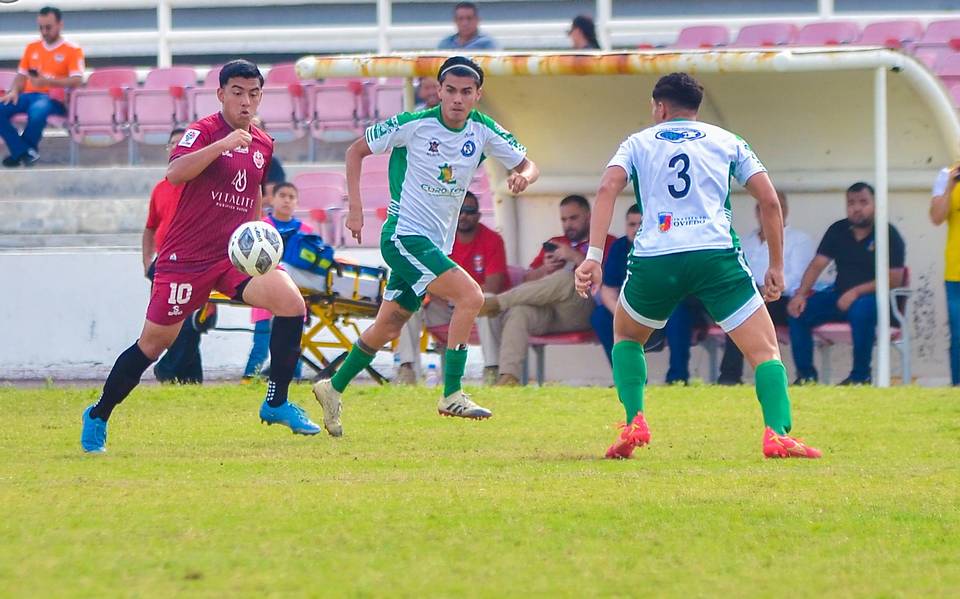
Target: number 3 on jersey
point(684, 161)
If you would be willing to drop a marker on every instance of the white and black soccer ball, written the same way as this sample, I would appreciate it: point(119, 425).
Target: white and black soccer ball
point(255, 248)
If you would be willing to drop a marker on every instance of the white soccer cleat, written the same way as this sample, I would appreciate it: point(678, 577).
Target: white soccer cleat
point(329, 399)
point(459, 404)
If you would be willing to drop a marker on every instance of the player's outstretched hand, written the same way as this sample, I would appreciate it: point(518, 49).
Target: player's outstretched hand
point(517, 182)
point(354, 222)
point(238, 138)
point(587, 278)
point(773, 285)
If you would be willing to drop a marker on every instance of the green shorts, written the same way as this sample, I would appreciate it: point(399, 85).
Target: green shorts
point(414, 263)
point(721, 279)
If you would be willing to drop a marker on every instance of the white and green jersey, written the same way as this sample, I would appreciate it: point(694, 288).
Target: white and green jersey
point(432, 165)
point(681, 172)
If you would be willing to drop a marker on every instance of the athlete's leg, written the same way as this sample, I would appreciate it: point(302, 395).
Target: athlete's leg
point(629, 362)
point(459, 289)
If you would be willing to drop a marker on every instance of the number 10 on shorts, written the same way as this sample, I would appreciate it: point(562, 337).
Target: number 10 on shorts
point(180, 293)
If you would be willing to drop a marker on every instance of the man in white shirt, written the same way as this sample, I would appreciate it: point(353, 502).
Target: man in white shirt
point(798, 250)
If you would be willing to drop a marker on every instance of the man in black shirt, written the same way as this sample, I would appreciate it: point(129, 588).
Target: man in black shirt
point(849, 243)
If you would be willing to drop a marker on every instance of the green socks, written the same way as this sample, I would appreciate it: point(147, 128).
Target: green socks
point(356, 361)
point(771, 382)
point(630, 376)
point(455, 360)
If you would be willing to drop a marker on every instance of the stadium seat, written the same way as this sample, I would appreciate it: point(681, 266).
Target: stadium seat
point(376, 163)
point(325, 205)
point(98, 111)
point(202, 100)
point(931, 55)
point(160, 105)
point(387, 100)
point(702, 36)
point(6, 80)
point(373, 180)
point(827, 33)
point(891, 34)
point(334, 179)
point(765, 35)
point(283, 108)
point(539, 343)
point(955, 94)
point(20, 120)
point(948, 69)
point(333, 108)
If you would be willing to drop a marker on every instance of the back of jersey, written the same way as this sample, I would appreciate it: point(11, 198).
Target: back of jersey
point(681, 172)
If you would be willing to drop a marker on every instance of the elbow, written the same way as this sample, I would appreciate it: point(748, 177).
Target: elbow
point(174, 176)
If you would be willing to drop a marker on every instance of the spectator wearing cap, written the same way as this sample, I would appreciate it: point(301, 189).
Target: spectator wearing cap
point(49, 67)
point(583, 34)
point(468, 36)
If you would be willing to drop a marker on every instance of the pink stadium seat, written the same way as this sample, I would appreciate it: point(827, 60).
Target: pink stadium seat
point(702, 36)
point(955, 94)
point(387, 101)
point(161, 104)
point(98, 111)
point(891, 34)
point(376, 163)
point(282, 111)
point(828, 33)
point(941, 32)
point(373, 180)
point(765, 35)
point(334, 179)
point(326, 206)
point(212, 78)
point(375, 202)
point(948, 69)
point(202, 101)
point(6, 80)
point(282, 74)
point(332, 106)
point(931, 55)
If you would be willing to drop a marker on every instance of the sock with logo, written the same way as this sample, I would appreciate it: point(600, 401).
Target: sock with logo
point(359, 358)
point(123, 378)
point(630, 376)
point(285, 334)
point(771, 383)
point(455, 361)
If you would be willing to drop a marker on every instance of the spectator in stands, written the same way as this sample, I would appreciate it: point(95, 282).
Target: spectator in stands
point(583, 34)
point(285, 200)
point(428, 92)
point(614, 274)
point(468, 36)
point(546, 302)
point(480, 251)
point(266, 207)
point(798, 252)
point(945, 207)
point(850, 243)
point(49, 67)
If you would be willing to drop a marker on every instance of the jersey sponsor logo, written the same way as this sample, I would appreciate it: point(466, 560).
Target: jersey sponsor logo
point(240, 180)
point(241, 150)
point(446, 174)
point(173, 257)
point(232, 201)
point(678, 135)
point(258, 160)
point(469, 148)
point(433, 147)
point(175, 311)
point(447, 192)
point(189, 137)
point(666, 220)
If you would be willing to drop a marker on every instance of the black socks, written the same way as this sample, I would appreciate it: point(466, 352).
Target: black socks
point(285, 337)
point(124, 376)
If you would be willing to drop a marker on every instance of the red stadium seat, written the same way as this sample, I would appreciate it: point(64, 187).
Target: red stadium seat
point(98, 111)
point(161, 104)
point(538, 344)
point(827, 33)
point(891, 34)
point(765, 35)
point(702, 36)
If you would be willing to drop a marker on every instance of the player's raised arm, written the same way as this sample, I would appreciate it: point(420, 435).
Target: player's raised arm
point(771, 220)
point(187, 167)
point(357, 151)
point(590, 273)
point(523, 175)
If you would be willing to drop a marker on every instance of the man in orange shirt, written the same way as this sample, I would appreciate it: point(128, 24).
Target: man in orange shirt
point(49, 67)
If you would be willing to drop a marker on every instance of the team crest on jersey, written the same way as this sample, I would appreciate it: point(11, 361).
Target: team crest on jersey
point(433, 148)
point(678, 135)
point(666, 221)
point(446, 175)
point(189, 137)
point(258, 160)
point(469, 148)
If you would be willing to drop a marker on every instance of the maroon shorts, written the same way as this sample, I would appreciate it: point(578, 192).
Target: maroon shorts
point(176, 295)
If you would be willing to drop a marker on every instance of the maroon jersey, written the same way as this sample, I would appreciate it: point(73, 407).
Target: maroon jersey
point(216, 202)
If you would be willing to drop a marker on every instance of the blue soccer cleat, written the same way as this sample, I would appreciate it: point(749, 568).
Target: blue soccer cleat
point(290, 415)
point(93, 439)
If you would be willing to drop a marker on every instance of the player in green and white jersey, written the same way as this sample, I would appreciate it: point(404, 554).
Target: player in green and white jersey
point(434, 156)
point(681, 171)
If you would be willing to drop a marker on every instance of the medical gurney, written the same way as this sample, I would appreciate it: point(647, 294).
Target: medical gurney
point(335, 301)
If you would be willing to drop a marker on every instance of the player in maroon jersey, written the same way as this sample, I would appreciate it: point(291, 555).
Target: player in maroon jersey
point(222, 160)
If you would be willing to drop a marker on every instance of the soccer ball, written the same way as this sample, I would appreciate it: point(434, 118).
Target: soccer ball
point(255, 248)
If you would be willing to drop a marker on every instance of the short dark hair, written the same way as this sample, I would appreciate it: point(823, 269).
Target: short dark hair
point(470, 194)
point(52, 10)
point(579, 200)
point(176, 131)
point(283, 185)
point(680, 90)
point(860, 186)
point(244, 69)
point(461, 66)
point(467, 5)
point(634, 209)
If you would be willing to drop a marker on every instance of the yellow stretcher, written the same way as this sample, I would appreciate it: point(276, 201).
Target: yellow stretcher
point(335, 302)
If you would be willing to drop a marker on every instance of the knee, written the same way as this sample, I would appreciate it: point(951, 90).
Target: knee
point(290, 304)
point(470, 301)
point(39, 109)
point(862, 311)
point(517, 316)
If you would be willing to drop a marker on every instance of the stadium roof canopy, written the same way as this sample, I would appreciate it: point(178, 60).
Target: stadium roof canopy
point(817, 116)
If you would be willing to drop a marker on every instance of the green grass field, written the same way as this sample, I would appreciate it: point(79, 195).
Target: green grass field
point(197, 498)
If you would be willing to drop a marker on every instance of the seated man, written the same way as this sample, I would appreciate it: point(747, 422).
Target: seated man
point(849, 243)
point(479, 251)
point(49, 66)
point(614, 274)
point(546, 302)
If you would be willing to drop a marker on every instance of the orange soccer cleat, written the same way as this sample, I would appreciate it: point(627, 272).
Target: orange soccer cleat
point(635, 434)
point(783, 446)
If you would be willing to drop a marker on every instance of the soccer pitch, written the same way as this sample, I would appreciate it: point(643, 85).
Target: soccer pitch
point(196, 498)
